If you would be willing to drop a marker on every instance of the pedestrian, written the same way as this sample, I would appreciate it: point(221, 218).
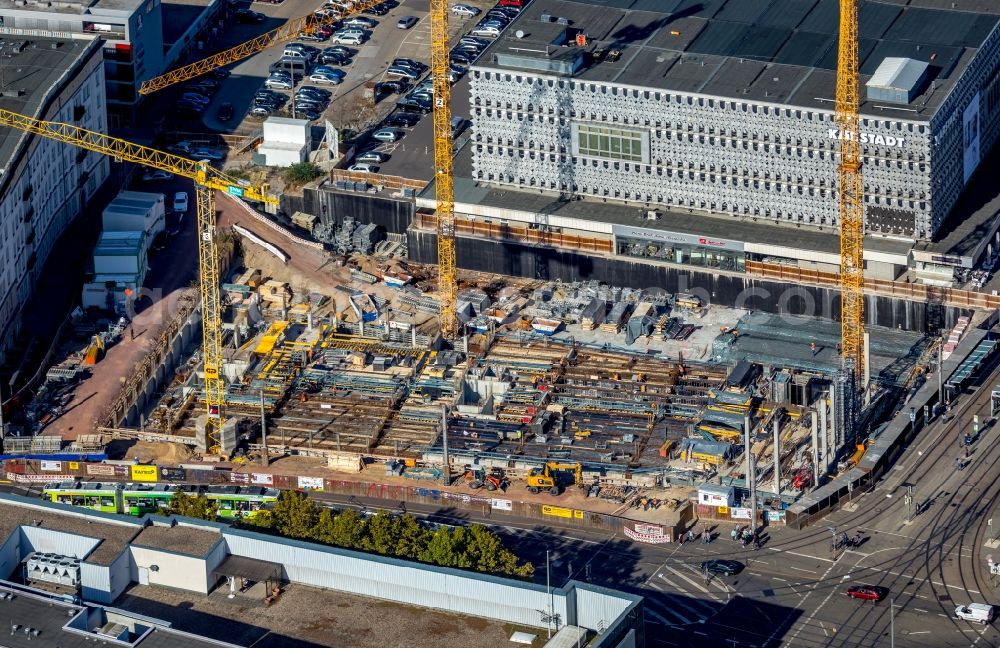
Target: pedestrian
point(706, 537)
point(690, 535)
point(680, 538)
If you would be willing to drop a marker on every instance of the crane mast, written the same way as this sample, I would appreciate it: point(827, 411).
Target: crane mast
point(851, 195)
point(444, 192)
point(207, 179)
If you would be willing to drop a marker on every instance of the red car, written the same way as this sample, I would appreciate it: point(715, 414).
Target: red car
point(866, 592)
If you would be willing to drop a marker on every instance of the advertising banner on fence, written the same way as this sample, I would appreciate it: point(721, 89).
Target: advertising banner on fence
point(651, 538)
point(239, 478)
point(739, 513)
point(557, 511)
point(74, 465)
point(311, 483)
point(173, 474)
point(102, 470)
point(775, 516)
point(144, 473)
point(261, 479)
point(502, 505)
point(649, 529)
point(51, 466)
point(17, 477)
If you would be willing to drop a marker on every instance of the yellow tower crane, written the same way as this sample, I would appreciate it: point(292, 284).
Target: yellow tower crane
point(444, 191)
point(852, 207)
point(206, 180)
point(246, 49)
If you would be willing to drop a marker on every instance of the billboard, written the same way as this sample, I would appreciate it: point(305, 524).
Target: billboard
point(51, 466)
point(144, 473)
point(311, 483)
point(262, 479)
point(970, 138)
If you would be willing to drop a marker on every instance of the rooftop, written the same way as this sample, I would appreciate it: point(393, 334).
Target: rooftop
point(51, 617)
point(31, 68)
point(113, 532)
point(777, 51)
point(178, 539)
point(96, 7)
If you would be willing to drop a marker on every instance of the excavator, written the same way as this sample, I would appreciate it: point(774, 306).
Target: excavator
point(477, 477)
point(552, 477)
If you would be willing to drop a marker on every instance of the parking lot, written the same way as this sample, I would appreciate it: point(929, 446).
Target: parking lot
point(349, 108)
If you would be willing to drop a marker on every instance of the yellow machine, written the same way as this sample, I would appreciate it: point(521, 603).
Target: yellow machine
point(550, 477)
point(206, 180)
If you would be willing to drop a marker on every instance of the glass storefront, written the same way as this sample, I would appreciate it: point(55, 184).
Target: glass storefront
point(684, 253)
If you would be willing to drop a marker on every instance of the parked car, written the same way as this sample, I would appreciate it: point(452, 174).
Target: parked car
point(372, 157)
point(406, 119)
point(303, 113)
point(472, 40)
point(219, 73)
point(722, 567)
point(867, 592)
point(361, 21)
point(979, 612)
point(225, 112)
point(183, 146)
point(513, 3)
point(195, 98)
point(180, 202)
point(347, 39)
point(319, 92)
point(404, 72)
point(279, 82)
point(458, 124)
point(323, 77)
point(407, 21)
point(389, 87)
point(332, 58)
point(190, 108)
point(363, 167)
point(410, 63)
point(326, 69)
point(249, 17)
point(340, 49)
point(462, 58)
point(387, 135)
point(206, 154)
point(410, 103)
point(261, 111)
point(312, 50)
point(154, 175)
point(465, 10)
point(485, 31)
point(377, 10)
point(314, 36)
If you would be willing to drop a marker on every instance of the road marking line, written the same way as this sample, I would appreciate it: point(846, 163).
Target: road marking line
point(808, 571)
point(692, 582)
point(652, 613)
point(801, 555)
point(919, 632)
point(782, 580)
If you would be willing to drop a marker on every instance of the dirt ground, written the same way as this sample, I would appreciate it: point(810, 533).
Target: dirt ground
point(160, 453)
point(306, 617)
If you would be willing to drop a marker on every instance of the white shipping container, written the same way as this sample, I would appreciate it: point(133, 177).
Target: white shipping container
point(133, 211)
point(119, 253)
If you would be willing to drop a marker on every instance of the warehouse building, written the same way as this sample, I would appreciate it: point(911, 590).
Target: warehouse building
point(85, 555)
point(45, 184)
point(725, 108)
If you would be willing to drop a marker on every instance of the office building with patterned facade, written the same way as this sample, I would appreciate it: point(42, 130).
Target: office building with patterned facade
point(724, 109)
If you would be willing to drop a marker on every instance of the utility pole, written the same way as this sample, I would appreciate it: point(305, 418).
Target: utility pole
point(264, 458)
point(777, 460)
point(446, 478)
point(940, 377)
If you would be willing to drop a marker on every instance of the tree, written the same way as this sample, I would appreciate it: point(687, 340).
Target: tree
point(301, 173)
point(440, 550)
point(295, 515)
point(412, 539)
point(197, 506)
point(323, 531)
point(383, 533)
point(349, 529)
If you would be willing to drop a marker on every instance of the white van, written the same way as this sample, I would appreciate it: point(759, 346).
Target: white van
point(294, 52)
point(979, 612)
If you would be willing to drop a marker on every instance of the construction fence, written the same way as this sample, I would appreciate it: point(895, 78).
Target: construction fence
point(908, 291)
point(38, 472)
point(530, 236)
